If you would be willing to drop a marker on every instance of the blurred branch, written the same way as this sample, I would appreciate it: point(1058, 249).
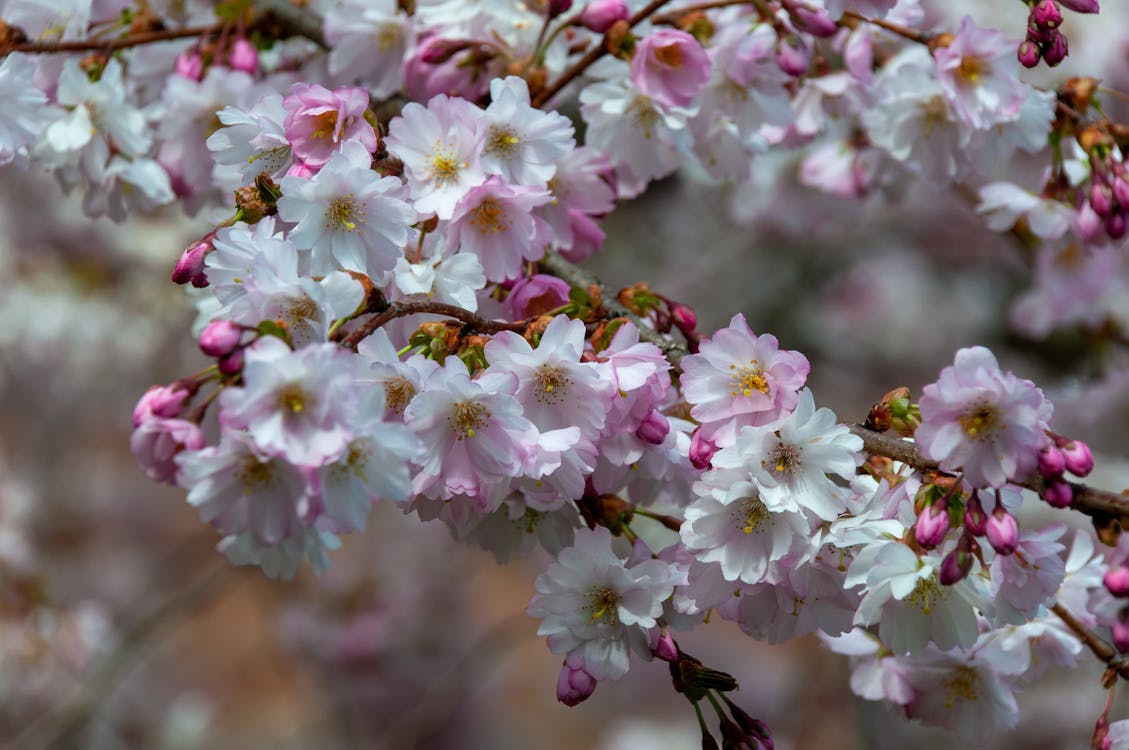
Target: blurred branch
point(1105, 652)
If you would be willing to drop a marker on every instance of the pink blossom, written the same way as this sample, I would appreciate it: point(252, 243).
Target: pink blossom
point(670, 67)
point(978, 75)
point(243, 56)
point(981, 421)
point(318, 121)
point(220, 338)
point(574, 686)
point(495, 222)
point(601, 15)
point(536, 295)
point(161, 402)
point(156, 443)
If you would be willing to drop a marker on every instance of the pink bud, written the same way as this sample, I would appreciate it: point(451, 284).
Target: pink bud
point(932, 525)
point(574, 685)
point(684, 317)
point(792, 57)
point(556, 7)
point(957, 563)
point(1082, 6)
point(1101, 199)
point(654, 429)
point(1002, 531)
point(1078, 458)
point(1058, 494)
point(1046, 14)
point(161, 402)
point(1088, 224)
point(1051, 462)
point(243, 56)
point(1115, 225)
point(1056, 50)
point(975, 519)
point(814, 21)
point(190, 65)
point(701, 450)
point(665, 648)
point(220, 337)
point(601, 15)
point(190, 267)
point(1121, 631)
point(536, 295)
point(1121, 191)
point(232, 364)
point(156, 442)
point(1029, 54)
point(1116, 580)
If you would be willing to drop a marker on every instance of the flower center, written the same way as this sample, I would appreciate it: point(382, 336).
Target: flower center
point(502, 140)
point(749, 513)
point(783, 460)
point(467, 417)
point(669, 55)
point(970, 70)
point(550, 384)
point(388, 37)
point(398, 393)
point(644, 113)
point(344, 214)
point(355, 460)
point(980, 423)
point(256, 474)
point(325, 125)
point(292, 398)
point(299, 311)
point(601, 605)
point(445, 166)
point(962, 684)
point(748, 378)
point(927, 593)
point(490, 217)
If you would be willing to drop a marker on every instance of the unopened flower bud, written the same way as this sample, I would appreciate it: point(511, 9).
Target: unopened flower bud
point(665, 648)
point(162, 402)
point(792, 57)
point(1051, 462)
point(1101, 199)
point(1055, 50)
point(1029, 54)
point(684, 317)
point(654, 428)
point(975, 519)
point(811, 20)
point(190, 267)
point(1078, 458)
point(1116, 580)
point(701, 450)
point(1082, 6)
point(220, 337)
point(1002, 531)
point(574, 685)
point(1115, 225)
point(1121, 631)
point(1046, 14)
point(243, 56)
point(600, 15)
point(932, 525)
point(557, 7)
point(957, 563)
point(232, 364)
point(1058, 494)
point(189, 65)
point(1121, 191)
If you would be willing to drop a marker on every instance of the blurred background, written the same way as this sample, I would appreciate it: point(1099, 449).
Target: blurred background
point(120, 627)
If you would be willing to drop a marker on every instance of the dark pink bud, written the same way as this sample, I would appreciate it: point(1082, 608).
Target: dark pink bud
point(1051, 462)
point(1058, 494)
point(232, 364)
point(1079, 460)
point(1055, 50)
point(243, 56)
point(814, 21)
point(536, 295)
point(436, 50)
point(220, 337)
point(1121, 191)
point(1101, 199)
point(654, 429)
point(1116, 581)
point(975, 519)
point(932, 525)
point(556, 7)
point(1115, 225)
point(1046, 14)
point(190, 267)
point(1121, 631)
point(574, 685)
point(1029, 54)
point(1002, 531)
point(792, 57)
point(665, 648)
point(701, 450)
point(684, 317)
point(161, 402)
point(190, 65)
point(957, 563)
point(1082, 6)
point(601, 15)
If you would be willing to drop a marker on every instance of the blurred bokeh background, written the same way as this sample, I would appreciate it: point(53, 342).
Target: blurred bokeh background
point(120, 627)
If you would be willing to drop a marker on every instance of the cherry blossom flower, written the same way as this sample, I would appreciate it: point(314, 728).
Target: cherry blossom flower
point(522, 144)
point(978, 73)
point(26, 112)
point(495, 222)
point(369, 40)
point(319, 121)
point(670, 66)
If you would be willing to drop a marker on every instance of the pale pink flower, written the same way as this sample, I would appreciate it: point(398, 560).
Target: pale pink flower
point(983, 422)
point(670, 66)
point(318, 121)
point(157, 441)
point(978, 72)
point(495, 221)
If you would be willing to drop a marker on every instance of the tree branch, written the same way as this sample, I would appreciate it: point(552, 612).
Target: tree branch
point(1105, 652)
point(402, 309)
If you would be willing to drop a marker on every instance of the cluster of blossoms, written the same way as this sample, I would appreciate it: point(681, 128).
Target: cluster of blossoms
point(382, 330)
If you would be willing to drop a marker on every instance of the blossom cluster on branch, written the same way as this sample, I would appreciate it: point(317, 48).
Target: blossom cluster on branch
point(394, 314)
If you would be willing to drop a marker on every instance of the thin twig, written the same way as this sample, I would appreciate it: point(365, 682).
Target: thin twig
point(902, 31)
point(1105, 652)
point(402, 309)
point(110, 45)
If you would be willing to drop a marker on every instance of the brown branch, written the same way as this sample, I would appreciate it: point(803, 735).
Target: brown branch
point(110, 45)
point(902, 31)
point(590, 57)
point(675, 15)
point(1088, 500)
point(402, 309)
point(1105, 652)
